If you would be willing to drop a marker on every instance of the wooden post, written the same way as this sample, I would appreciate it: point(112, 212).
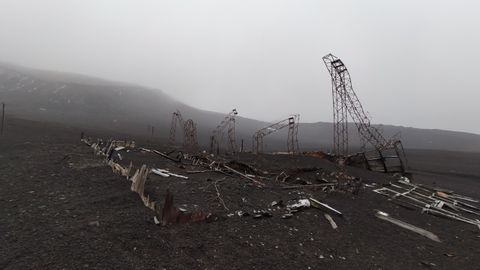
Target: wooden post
point(3, 118)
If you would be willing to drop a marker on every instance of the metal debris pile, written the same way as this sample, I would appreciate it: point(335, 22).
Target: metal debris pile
point(169, 213)
point(403, 192)
point(316, 178)
point(111, 151)
point(289, 209)
point(431, 200)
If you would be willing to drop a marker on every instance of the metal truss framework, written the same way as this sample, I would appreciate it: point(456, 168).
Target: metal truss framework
point(346, 102)
point(216, 139)
point(292, 139)
point(189, 132)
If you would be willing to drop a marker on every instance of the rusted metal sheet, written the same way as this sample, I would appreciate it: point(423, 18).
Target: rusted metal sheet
point(172, 215)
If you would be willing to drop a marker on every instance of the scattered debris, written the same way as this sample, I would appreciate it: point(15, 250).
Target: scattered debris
point(219, 196)
point(119, 148)
point(319, 154)
point(178, 159)
point(118, 169)
point(320, 205)
point(261, 213)
point(385, 216)
point(138, 180)
point(155, 220)
point(166, 173)
point(429, 264)
point(302, 203)
point(244, 175)
point(138, 186)
point(275, 203)
point(241, 167)
point(145, 150)
point(242, 214)
point(332, 222)
point(195, 172)
point(282, 177)
point(431, 200)
point(172, 215)
point(309, 186)
point(158, 172)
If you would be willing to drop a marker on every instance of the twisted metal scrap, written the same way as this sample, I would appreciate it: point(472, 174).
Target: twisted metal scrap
point(346, 102)
point(292, 139)
point(189, 132)
point(219, 132)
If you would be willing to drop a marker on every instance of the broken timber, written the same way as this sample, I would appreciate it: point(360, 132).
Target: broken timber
point(385, 216)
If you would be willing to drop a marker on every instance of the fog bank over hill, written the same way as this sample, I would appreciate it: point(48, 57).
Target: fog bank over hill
point(95, 103)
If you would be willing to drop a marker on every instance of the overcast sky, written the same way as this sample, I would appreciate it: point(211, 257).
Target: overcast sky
point(412, 62)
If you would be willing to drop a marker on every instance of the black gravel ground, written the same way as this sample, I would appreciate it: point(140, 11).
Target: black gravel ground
point(62, 208)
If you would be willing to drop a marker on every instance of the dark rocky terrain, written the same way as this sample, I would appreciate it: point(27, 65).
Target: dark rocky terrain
point(62, 208)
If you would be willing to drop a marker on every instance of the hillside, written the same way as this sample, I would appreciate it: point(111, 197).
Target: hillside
point(95, 103)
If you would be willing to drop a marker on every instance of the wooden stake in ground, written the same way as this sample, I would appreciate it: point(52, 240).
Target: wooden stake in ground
point(3, 118)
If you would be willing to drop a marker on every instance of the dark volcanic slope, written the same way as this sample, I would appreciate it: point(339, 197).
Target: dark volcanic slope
point(82, 101)
point(60, 208)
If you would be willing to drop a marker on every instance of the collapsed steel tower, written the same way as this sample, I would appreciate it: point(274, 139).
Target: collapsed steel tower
point(346, 102)
point(189, 132)
point(292, 139)
point(217, 135)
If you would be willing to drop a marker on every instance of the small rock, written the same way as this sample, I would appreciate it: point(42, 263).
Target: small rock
point(94, 223)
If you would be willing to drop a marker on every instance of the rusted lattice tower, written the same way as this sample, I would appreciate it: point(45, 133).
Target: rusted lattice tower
point(189, 131)
point(216, 139)
point(292, 139)
point(176, 119)
point(190, 135)
point(346, 102)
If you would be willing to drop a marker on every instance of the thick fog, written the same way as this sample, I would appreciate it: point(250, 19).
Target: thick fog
point(413, 63)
